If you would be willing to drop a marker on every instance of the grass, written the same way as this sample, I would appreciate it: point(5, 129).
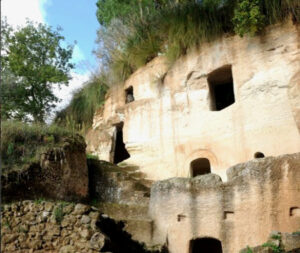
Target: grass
point(59, 213)
point(21, 143)
point(176, 28)
point(39, 201)
point(78, 116)
point(91, 156)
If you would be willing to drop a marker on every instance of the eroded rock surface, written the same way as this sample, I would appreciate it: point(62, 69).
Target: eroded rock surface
point(62, 173)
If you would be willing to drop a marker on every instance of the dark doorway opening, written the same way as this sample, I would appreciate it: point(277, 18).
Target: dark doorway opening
point(259, 155)
point(199, 166)
point(119, 151)
point(205, 245)
point(221, 88)
point(129, 95)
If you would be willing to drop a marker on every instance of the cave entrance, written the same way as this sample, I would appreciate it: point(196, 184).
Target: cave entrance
point(210, 245)
point(119, 150)
point(129, 95)
point(199, 166)
point(221, 88)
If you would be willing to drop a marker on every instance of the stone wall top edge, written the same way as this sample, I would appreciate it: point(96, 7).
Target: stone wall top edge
point(258, 169)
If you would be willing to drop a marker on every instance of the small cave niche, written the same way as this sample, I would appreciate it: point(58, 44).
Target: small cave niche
point(259, 155)
point(180, 217)
point(295, 211)
point(199, 166)
point(228, 215)
point(221, 89)
point(209, 245)
point(119, 151)
point(129, 95)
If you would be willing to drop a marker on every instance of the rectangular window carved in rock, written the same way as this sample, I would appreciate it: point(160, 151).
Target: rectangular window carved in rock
point(221, 90)
point(129, 95)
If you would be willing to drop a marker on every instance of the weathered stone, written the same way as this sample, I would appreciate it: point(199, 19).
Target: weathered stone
point(67, 249)
point(49, 206)
point(97, 241)
point(8, 238)
point(85, 219)
point(80, 209)
point(94, 215)
point(68, 208)
point(52, 229)
point(86, 234)
point(291, 241)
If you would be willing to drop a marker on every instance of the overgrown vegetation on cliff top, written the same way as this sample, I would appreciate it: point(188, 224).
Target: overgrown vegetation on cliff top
point(133, 34)
point(22, 143)
point(78, 115)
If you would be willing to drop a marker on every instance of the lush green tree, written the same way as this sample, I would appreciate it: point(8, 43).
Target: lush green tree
point(33, 61)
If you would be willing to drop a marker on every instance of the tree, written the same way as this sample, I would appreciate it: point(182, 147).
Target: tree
point(33, 61)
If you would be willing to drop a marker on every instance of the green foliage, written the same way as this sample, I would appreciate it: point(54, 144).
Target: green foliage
point(129, 40)
point(274, 247)
point(110, 9)
point(276, 237)
point(22, 143)
point(249, 250)
point(58, 213)
point(248, 17)
point(39, 201)
point(91, 156)
point(33, 60)
point(79, 113)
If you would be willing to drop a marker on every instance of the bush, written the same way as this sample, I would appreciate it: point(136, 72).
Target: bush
point(78, 115)
point(174, 27)
point(58, 213)
point(22, 143)
point(248, 17)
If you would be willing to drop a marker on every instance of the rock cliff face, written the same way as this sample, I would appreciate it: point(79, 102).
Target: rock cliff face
point(62, 173)
point(178, 115)
point(262, 195)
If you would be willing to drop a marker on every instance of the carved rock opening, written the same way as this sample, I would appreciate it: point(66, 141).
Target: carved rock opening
point(129, 95)
point(210, 245)
point(259, 155)
point(120, 152)
point(199, 166)
point(221, 88)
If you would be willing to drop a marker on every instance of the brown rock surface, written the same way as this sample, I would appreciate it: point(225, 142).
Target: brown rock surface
point(61, 174)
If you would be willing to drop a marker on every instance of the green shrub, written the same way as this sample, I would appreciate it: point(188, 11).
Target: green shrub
point(249, 250)
point(58, 213)
point(22, 143)
point(79, 114)
point(91, 156)
point(177, 26)
point(274, 247)
point(248, 17)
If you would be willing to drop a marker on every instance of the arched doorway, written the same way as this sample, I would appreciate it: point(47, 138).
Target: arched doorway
point(205, 245)
point(199, 166)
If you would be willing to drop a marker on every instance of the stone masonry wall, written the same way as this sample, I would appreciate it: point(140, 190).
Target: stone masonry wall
point(44, 226)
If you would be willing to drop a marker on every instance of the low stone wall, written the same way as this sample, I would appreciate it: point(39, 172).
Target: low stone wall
point(262, 195)
point(50, 227)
